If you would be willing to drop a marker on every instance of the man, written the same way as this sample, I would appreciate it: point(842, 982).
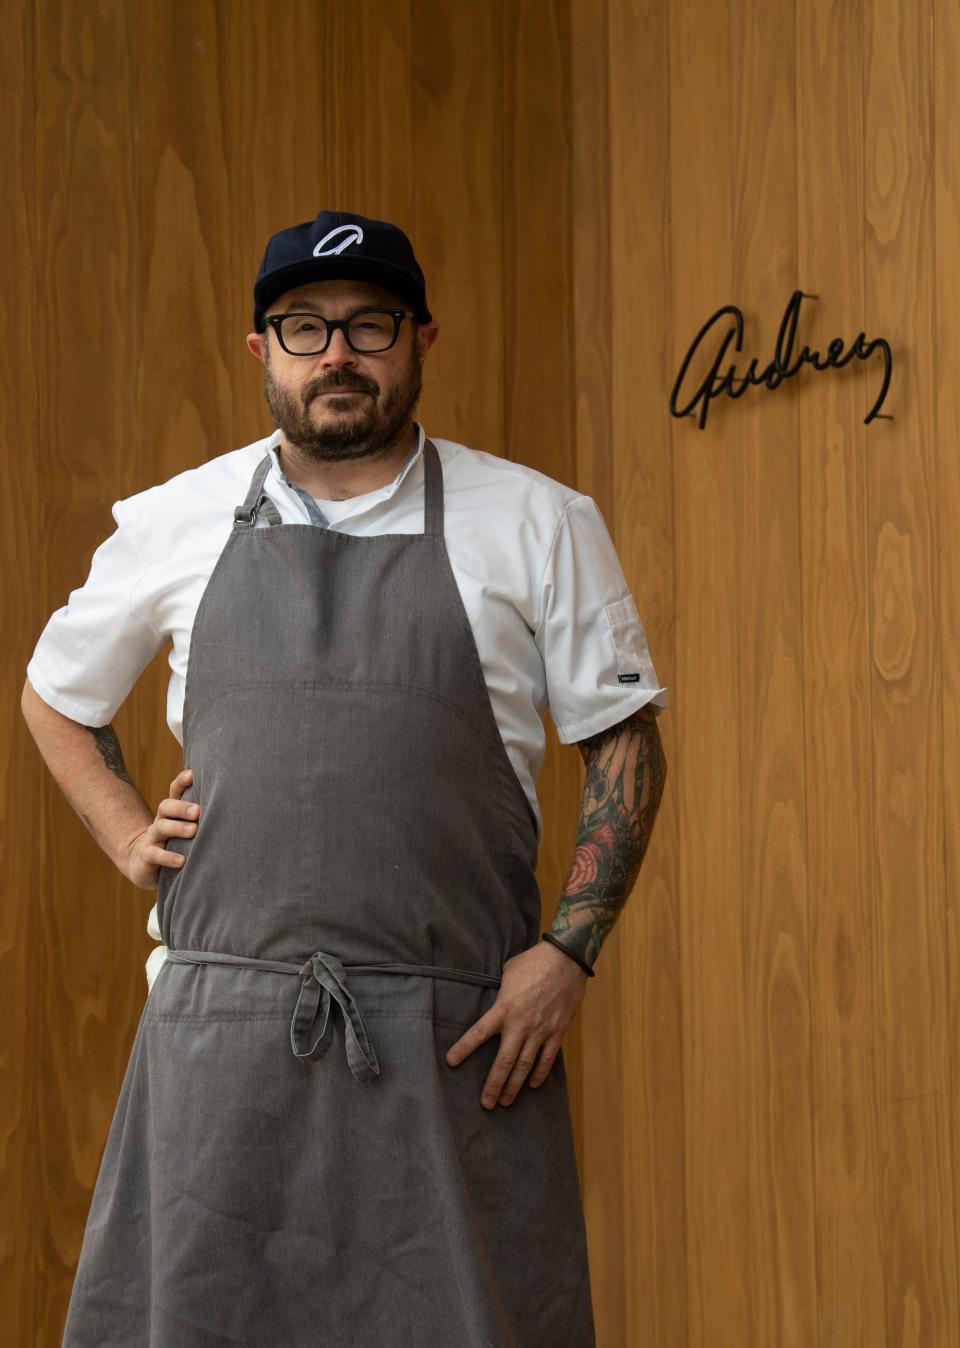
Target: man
point(345, 1116)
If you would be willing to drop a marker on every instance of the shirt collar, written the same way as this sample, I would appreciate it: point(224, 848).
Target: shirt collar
point(386, 491)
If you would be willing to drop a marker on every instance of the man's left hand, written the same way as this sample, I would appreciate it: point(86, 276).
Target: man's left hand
point(540, 991)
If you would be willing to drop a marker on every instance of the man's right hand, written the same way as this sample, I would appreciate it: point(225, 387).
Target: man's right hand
point(146, 851)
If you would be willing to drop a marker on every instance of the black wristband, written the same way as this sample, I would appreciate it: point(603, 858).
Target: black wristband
point(548, 936)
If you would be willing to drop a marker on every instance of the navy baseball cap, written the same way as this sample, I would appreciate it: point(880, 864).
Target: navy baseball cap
point(340, 246)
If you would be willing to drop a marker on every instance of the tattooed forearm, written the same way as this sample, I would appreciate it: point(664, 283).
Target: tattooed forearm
point(104, 737)
point(626, 771)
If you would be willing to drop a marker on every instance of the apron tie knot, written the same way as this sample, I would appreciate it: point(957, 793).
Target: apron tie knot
point(323, 983)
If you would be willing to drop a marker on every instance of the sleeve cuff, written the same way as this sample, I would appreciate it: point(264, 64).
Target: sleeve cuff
point(85, 713)
point(572, 731)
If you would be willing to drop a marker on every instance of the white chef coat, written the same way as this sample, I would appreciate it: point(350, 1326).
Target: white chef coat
point(552, 616)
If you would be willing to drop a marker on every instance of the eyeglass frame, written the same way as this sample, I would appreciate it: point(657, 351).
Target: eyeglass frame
point(398, 316)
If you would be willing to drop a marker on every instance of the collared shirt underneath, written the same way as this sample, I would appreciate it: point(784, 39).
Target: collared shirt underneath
point(338, 510)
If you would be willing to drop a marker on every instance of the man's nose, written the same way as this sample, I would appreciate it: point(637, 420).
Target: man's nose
point(339, 350)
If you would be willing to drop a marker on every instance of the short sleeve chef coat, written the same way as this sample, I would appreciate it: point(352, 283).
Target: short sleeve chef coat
point(552, 616)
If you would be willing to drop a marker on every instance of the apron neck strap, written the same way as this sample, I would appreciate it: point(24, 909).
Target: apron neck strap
point(245, 516)
point(432, 490)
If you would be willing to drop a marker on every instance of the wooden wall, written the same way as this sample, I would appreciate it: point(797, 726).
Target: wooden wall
point(765, 1071)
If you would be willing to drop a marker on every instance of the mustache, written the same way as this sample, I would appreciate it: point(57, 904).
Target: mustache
point(314, 390)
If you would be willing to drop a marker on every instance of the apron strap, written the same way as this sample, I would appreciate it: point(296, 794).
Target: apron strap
point(433, 490)
point(245, 516)
point(322, 982)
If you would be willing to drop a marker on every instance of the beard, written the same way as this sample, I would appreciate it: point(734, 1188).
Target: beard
point(363, 427)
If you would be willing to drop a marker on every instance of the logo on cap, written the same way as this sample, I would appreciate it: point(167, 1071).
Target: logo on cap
point(354, 235)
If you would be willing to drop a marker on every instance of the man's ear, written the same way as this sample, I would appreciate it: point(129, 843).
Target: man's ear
point(427, 334)
point(256, 342)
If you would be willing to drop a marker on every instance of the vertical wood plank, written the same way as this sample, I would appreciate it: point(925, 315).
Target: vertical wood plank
point(23, 792)
point(88, 314)
point(192, 356)
point(834, 464)
point(945, 357)
point(780, 1258)
point(913, 1047)
point(708, 701)
point(537, 279)
point(634, 206)
point(457, 215)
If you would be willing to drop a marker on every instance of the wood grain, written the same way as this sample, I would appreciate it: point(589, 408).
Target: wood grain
point(23, 792)
point(917, 1134)
point(634, 482)
point(780, 1195)
point(709, 700)
point(945, 361)
point(841, 832)
point(602, 1024)
point(88, 309)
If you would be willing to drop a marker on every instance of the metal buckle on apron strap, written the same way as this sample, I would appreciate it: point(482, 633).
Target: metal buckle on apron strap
point(323, 981)
point(262, 505)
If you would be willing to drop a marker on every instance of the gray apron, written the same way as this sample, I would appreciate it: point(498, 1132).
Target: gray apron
point(291, 1159)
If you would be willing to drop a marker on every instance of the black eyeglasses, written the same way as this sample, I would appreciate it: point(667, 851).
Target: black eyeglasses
point(309, 334)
